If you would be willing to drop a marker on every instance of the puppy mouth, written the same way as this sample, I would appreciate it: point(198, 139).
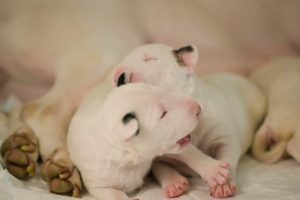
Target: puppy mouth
point(184, 141)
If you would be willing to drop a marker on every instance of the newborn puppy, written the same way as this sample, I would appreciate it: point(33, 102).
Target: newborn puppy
point(231, 108)
point(113, 140)
point(279, 135)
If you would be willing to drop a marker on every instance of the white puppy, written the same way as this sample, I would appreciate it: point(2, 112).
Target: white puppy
point(124, 132)
point(59, 49)
point(280, 132)
point(232, 107)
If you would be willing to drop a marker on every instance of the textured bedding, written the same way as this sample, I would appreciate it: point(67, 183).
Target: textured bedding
point(255, 180)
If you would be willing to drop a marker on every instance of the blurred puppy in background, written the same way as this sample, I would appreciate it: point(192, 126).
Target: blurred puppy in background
point(279, 135)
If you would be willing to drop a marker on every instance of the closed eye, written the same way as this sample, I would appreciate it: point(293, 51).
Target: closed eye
point(163, 114)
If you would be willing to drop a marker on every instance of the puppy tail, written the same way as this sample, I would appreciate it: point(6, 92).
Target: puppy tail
point(266, 148)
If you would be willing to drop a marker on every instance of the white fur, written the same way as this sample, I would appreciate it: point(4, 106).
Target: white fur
point(110, 163)
point(232, 107)
point(62, 48)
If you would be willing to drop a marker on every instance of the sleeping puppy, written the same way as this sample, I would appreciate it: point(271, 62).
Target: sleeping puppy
point(124, 132)
point(231, 108)
point(279, 135)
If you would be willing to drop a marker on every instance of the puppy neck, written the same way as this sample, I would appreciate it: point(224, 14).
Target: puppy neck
point(189, 86)
point(122, 155)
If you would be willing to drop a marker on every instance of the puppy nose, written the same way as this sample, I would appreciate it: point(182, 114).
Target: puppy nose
point(195, 109)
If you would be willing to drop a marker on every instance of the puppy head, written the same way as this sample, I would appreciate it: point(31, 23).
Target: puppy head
point(158, 64)
point(144, 120)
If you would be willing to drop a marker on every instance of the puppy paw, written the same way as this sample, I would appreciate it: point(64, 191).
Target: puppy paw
point(216, 173)
point(222, 191)
point(61, 175)
point(20, 153)
point(176, 186)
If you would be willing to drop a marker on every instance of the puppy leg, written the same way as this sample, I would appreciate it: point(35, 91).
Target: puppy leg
point(293, 147)
point(172, 182)
point(49, 118)
point(230, 154)
point(42, 125)
point(214, 172)
point(60, 174)
point(20, 150)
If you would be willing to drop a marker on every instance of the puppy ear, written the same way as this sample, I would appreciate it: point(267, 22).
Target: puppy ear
point(128, 128)
point(121, 77)
point(187, 56)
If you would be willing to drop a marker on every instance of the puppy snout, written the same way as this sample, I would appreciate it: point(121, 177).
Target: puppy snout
point(195, 109)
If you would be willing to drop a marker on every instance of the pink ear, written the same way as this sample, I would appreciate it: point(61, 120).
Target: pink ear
point(190, 59)
point(117, 74)
point(187, 56)
point(121, 77)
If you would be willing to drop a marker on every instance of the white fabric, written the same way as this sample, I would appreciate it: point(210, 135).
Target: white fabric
point(255, 181)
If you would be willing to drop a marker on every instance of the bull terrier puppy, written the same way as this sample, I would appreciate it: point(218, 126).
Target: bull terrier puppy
point(279, 135)
point(125, 131)
point(232, 107)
